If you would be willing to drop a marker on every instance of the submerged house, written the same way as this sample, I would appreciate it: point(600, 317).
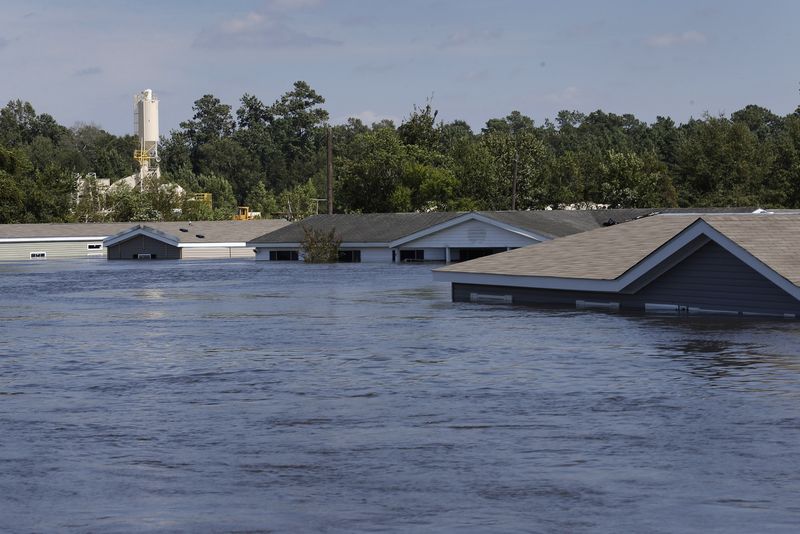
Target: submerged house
point(56, 240)
point(435, 236)
point(188, 240)
point(738, 264)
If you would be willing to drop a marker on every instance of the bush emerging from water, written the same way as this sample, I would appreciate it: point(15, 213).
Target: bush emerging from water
point(320, 246)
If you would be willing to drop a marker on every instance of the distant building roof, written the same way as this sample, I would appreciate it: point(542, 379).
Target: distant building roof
point(392, 227)
point(609, 253)
point(389, 227)
point(213, 230)
point(200, 232)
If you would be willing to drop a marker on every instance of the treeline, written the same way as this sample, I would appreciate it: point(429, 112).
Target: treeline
point(272, 158)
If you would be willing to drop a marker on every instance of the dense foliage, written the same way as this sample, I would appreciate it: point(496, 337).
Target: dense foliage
point(272, 158)
point(320, 246)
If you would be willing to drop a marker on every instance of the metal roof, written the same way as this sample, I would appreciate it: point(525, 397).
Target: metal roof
point(608, 253)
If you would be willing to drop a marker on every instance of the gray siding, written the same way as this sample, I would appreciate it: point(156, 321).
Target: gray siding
point(142, 244)
point(711, 279)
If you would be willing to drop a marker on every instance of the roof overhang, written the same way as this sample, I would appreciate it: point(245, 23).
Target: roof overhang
point(669, 254)
point(343, 244)
point(471, 216)
point(138, 230)
point(51, 239)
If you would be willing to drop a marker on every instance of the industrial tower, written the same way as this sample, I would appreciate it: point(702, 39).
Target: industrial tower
point(145, 119)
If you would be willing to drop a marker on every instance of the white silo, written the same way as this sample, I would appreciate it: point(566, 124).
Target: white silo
point(145, 117)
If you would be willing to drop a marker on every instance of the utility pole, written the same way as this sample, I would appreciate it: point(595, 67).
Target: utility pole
point(330, 171)
point(514, 186)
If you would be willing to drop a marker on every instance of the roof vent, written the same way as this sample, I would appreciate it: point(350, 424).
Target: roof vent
point(184, 230)
point(201, 236)
point(610, 222)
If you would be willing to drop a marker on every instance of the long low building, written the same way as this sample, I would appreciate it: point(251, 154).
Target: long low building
point(86, 240)
point(722, 264)
point(188, 240)
point(436, 236)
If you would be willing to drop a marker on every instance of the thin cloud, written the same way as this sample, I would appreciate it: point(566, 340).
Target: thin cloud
point(564, 96)
point(468, 37)
point(291, 5)
point(89, 71)
point(475, 75)
point(375, 67)
point(665, 40)
point(4, 42)
point(258, 30)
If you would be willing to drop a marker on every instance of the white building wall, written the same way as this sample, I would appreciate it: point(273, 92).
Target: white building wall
point(199, 253)
point(470, 234)
point(434, 254)
point(376, 255)
point(52, 249)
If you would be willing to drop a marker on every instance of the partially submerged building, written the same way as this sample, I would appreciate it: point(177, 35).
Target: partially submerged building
point(435, 236)
point(55, 241)
point(221, 239)
point(188, 240)
point(715, 263)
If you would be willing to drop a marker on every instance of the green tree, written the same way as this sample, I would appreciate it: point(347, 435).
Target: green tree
point(259, 198)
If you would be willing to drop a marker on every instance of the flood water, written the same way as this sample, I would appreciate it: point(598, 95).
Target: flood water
point(277, 397)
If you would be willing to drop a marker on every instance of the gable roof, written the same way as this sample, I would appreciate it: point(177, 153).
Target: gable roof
point(394, 228)
point(609, 259)
point(59, 231)
point(216, 233)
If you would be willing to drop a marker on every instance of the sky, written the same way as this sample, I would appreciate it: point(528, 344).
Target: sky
point(83, 60)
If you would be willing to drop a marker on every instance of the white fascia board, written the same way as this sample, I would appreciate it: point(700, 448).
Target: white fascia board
point(693, 231)
point(272, 245)
point(753, 262)
point(511, 228)
point(50, 239)
point(211, 245)
point(140, 230)
point(533, 282)
point(344, 244)
point(348, 244)
point(471, 216)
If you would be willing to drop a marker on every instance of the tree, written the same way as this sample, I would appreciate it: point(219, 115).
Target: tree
point(211, 121)
point(320, 246)
point(259, 198)
point(298, 202)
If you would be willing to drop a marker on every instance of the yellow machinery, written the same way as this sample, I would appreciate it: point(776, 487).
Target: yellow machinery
point(243, 214)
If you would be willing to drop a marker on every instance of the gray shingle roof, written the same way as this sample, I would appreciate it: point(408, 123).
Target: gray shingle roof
point(360, 227)
point(215, 231)
point(607, 253)
point(388, 227)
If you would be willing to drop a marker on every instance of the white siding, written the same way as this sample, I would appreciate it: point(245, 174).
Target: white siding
point(199, 253)
point(54, 250)
point(471, 234)
point(434, 254)
point(376, 255)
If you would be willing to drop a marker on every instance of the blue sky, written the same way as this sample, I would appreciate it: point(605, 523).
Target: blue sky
point(373, 59)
